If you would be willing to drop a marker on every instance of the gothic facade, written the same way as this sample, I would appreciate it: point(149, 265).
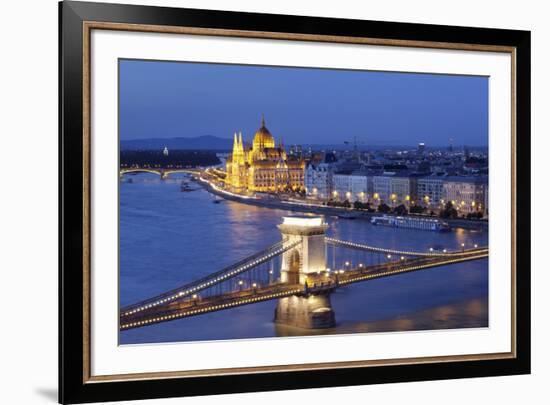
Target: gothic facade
point(263, 167)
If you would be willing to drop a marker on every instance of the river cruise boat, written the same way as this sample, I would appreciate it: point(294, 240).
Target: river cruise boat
point(425, 224)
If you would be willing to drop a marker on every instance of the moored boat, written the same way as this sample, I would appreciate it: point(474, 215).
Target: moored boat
point(184, 186)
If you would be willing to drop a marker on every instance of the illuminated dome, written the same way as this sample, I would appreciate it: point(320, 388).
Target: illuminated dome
point(263, 138)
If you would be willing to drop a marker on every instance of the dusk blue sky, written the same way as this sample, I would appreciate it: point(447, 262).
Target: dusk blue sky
point(302, 105)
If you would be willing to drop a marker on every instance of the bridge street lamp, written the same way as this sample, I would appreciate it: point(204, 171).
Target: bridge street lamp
point(327, 274)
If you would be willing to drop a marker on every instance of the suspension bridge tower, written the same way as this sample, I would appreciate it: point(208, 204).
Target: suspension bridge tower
point(310, 311)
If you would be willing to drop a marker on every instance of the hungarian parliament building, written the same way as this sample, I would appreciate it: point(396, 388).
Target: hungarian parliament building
point(263, 167)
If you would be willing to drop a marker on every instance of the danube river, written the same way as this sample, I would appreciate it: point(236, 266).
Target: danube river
point(168, 238)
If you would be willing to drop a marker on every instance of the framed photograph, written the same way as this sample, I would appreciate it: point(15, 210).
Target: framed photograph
point(255, 202)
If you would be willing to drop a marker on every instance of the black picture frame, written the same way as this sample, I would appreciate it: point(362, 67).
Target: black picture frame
point(73, 387)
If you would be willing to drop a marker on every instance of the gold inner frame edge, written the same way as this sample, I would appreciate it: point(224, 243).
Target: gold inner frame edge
point(88, 26)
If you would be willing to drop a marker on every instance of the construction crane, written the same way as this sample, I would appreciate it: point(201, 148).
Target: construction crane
point(356, 155)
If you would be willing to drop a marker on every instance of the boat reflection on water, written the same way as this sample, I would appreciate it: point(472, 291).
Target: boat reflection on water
point(465, 314)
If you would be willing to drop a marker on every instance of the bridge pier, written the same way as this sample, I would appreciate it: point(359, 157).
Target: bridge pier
point(310, 311)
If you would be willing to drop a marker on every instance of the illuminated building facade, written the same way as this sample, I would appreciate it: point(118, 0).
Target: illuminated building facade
point(467, 194)
point(393, 189)
point(319, 180)
point(263, 167)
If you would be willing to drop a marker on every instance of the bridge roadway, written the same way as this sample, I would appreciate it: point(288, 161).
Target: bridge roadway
point(317, 283)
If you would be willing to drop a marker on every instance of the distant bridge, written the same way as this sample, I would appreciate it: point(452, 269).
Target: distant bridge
point(163, 172)
point(295, 272)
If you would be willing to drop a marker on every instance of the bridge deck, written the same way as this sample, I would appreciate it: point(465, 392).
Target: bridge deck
point(316, 284)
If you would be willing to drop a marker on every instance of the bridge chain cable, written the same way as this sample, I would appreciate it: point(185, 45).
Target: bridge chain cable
point(360, 246)
point(211, 308)
point(212, 279)
point(421, 264)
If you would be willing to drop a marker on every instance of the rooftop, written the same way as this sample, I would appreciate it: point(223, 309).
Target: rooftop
point(301, 220)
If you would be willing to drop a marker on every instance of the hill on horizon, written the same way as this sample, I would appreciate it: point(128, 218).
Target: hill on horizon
point(215, 143)
point(204, 142)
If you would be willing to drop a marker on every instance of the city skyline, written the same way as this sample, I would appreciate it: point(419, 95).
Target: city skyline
point(158, 100)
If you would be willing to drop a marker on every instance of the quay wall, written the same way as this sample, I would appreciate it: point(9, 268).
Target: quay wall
point(331, 211)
